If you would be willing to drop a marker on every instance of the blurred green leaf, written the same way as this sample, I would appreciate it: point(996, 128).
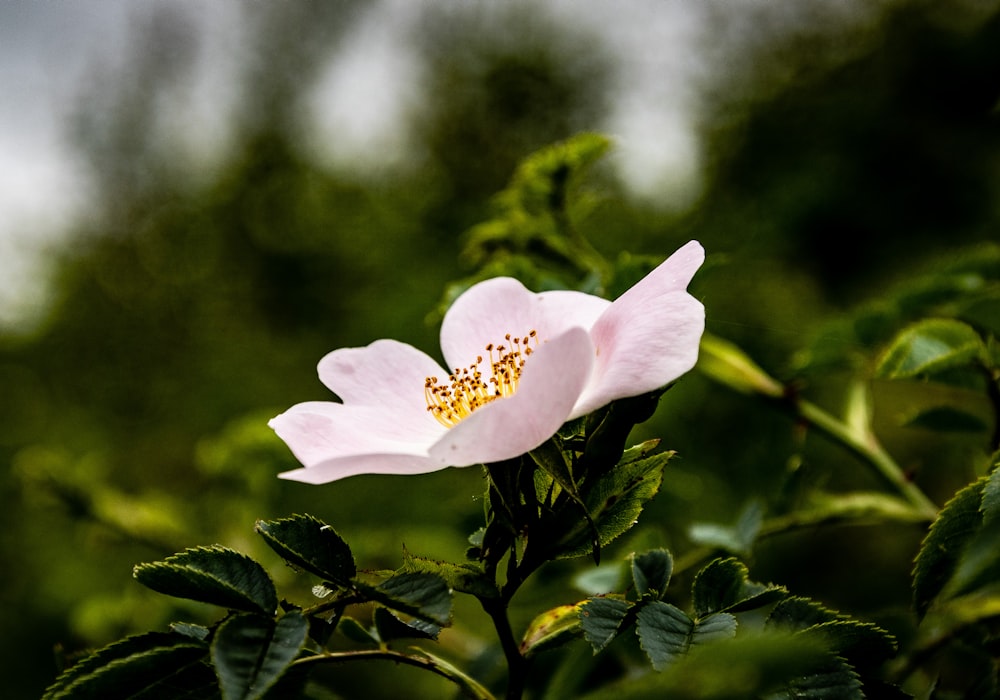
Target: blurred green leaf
point(309, 543)
point(651, 572)
point(152, 665)
point(215, 575)
point(723, 586)
point(729, 669)
point(600, 619)
point(551, 629)
point(421, 594)
point(251, 652)
point(929, 346)
point(737, 538)
point(666, 632)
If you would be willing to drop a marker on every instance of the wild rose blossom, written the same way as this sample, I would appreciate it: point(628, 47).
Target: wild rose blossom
point(523, 363)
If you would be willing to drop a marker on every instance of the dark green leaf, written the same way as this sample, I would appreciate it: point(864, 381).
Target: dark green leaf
point(666, 632)
point(390, 627)
point(946, 419)
point(151, 665)
point(947, 540)
point(832, 680)
point(980, 561)
point(214, 575)
point(423, 595)
point(730, 669)
point(188, 629)
point(356, 632)
point(929, 346)
point(723, 586)
point(651, 572)
point(600, 619)
point(312, 545)
point(617, 498)
point(250, 652)
point(861, 643)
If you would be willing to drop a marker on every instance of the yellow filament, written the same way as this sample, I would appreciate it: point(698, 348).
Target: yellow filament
point(466, 390)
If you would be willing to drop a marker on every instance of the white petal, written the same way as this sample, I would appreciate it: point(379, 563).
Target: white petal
point(343, 467)
point(490, 310)
point(649, 336)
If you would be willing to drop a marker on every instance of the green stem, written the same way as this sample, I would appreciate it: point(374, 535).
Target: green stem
point(469, 687)
point(517, 664)
point(867, 448)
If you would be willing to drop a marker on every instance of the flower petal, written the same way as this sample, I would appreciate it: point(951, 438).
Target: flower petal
point(490, 310)
point(343, 467)
point(649, 336)
point(550, 384)
point(388, 375)
point(320, 431)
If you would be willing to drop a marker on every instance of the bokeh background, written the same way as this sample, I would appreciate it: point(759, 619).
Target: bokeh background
point(235, 191)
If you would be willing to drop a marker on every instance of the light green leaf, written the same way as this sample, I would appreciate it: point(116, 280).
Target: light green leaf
point(251, 652)
point(737, 538)
point(140, 665)
point(467, 577)
point(651, 572)
point(551, 629)
point(310, 544)
point(930, 346)
point(723, 586)
point(215, 575)
point(600, 619)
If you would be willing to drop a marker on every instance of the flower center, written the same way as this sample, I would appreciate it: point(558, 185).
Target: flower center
point(467, 389)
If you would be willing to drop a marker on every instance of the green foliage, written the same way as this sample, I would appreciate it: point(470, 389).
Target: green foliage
point(149, 665)
point(960, 554)
point(724, 586)
point(215, 575)
point(250, 652)
point(930, 346)
point(308, 543)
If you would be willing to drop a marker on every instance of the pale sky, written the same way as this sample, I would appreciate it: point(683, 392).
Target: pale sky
point(47, 47)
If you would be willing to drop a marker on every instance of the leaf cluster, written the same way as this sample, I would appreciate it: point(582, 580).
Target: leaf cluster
point(261, 647)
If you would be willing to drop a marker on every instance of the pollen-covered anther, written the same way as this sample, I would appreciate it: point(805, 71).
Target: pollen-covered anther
point(466, 390)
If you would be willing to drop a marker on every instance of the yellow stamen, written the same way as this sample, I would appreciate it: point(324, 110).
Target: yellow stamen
point(466, 390)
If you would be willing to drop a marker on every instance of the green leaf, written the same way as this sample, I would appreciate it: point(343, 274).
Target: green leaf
point(729, 669)
point(310, 544)
point(600, 619)
point(946, 542)
point(616, 499)
point(467, 577)
point(832, 680)
point(251, 652)
point(423, 595)
point(390, 627)
point(551, 629)
point(863, 644)
point(651, 572)
point(946, 419)
point(723, 586)
point(738, 538)
point(666, 632)
point(151, 665)
point(979, 564)
point(930, 346)
point(215, 575)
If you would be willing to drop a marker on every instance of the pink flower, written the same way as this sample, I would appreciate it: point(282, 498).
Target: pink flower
point(524, 364)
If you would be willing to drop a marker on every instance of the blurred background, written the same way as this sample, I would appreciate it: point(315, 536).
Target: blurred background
point(197, 202)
